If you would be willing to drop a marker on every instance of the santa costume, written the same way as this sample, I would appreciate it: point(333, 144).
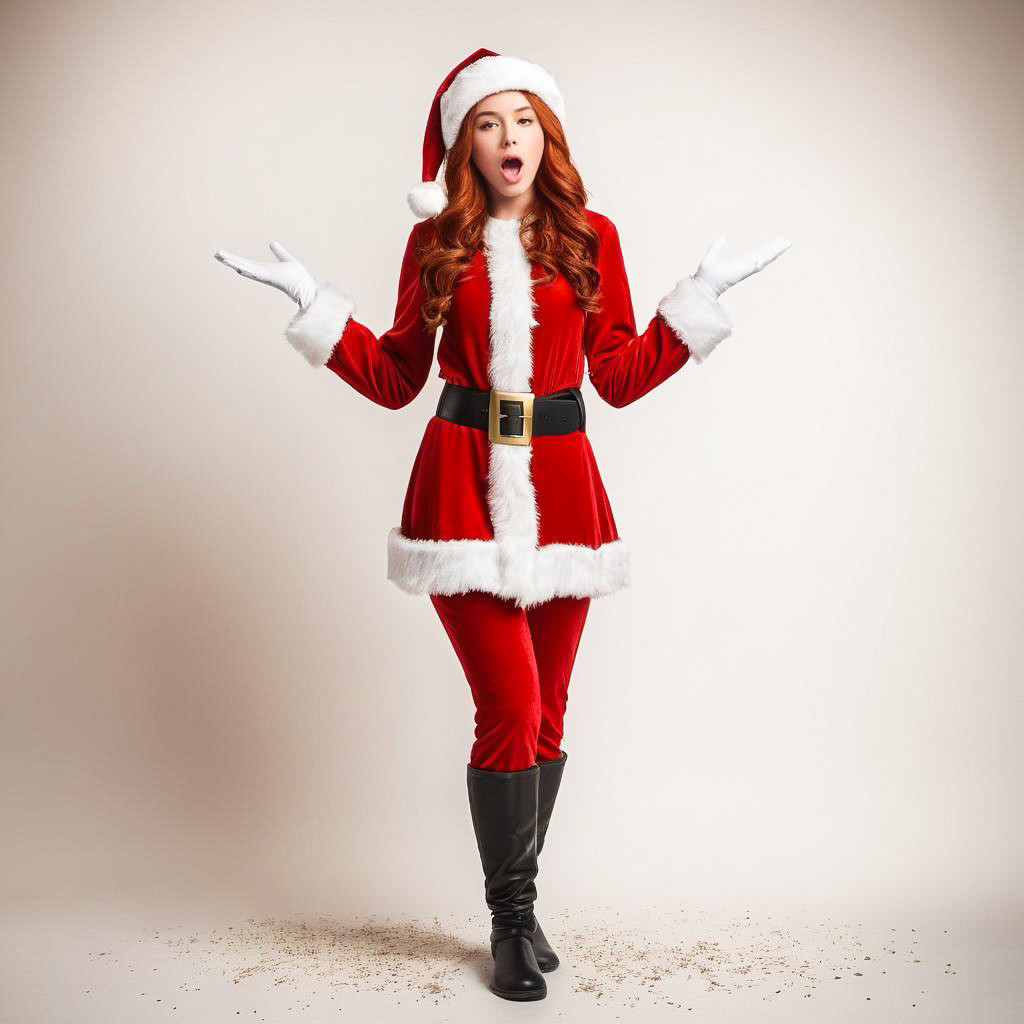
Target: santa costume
point(506, 524)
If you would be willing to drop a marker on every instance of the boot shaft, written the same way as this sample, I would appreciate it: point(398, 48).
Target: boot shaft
point(547, 791)
point(503, 806)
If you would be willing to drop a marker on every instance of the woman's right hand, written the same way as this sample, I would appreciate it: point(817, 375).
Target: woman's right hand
point(287, 274)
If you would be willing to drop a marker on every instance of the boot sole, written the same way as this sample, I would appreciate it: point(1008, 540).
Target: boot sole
point(520, 997)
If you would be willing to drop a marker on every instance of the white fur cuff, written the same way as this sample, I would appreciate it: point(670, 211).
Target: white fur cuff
point(315, 330)
point(698, 321)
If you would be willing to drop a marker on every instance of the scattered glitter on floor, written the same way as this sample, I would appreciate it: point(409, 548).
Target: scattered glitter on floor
point(630, 959)
point(372, 956)
point(648, 951)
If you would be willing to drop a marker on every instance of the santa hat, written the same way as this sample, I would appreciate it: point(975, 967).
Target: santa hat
point(481, 74)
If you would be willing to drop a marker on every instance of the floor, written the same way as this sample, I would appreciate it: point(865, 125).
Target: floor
point(110, 961)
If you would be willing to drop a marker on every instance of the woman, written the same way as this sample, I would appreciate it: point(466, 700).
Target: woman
point(506, 524)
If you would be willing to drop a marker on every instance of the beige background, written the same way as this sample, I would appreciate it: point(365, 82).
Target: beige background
point(811, 695)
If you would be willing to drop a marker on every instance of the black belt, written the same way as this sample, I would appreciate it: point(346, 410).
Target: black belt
point(513, 417)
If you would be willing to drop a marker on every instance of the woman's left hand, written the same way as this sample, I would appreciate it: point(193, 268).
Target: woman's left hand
point(717, 272)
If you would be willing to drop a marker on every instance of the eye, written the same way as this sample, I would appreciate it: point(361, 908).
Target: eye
point(487, 124)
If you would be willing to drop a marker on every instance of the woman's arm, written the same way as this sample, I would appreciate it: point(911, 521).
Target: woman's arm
point(624, 365)
point(390, 370)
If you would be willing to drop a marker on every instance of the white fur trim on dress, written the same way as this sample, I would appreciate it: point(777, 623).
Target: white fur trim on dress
point(457, 566)
point(696, 319)
point(489, 75)
point(511, 499)
point(315, 330)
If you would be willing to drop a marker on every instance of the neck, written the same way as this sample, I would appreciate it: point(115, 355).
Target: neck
point(510, 207)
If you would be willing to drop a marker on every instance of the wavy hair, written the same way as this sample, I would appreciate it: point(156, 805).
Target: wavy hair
point(560, 237)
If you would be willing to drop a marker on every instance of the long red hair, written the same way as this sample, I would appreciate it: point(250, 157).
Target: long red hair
point(559, 235)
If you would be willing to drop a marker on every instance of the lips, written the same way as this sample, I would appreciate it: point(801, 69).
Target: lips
point(512, 169)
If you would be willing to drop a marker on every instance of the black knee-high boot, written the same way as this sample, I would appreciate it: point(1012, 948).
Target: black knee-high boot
point(504, 810)
point(547, 790)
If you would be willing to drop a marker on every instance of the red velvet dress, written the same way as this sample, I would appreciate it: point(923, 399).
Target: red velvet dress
point(526, 522)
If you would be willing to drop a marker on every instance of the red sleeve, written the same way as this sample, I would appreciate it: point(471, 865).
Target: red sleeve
point(390, 370)
point(624, 365)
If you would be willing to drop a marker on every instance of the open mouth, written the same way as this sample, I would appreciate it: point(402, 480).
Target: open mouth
point(511, 169)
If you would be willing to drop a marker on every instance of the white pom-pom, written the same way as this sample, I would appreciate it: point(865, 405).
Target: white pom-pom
point(427, 199)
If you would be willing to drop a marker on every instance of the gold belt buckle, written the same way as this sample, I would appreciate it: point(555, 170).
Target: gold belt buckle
point(512, 410)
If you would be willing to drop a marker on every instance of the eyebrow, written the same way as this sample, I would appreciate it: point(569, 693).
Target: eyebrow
point(494, 113)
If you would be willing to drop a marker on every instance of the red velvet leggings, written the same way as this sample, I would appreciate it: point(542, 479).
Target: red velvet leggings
point(518, 662)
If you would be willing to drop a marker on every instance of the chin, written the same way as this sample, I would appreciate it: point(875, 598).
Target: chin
point(514, 190)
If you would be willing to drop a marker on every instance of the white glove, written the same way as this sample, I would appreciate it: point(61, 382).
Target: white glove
point(716, 273)
point(288, 274)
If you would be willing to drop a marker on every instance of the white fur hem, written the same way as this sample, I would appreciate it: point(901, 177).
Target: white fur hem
point(553, 570)
point(698, 321)
point(315, 330)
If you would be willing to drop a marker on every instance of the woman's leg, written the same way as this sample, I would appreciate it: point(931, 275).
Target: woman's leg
point(556, 627)
point(492, 640)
